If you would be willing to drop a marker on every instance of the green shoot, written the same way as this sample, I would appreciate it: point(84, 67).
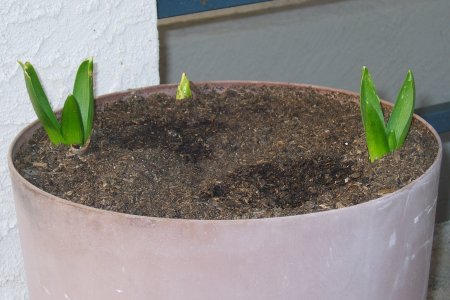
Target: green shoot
point(83, 91)
point(78, 111)
point(372, 117)
point(401, 116)
point(72, 123)
point(41, 105)
point(184, 88)
point(382, 139)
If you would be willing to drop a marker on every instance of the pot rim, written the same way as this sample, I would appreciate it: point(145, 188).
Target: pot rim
point(170, 89)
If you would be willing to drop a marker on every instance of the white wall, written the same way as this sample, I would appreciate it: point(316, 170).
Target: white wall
point(56, 35)
point(325, 42)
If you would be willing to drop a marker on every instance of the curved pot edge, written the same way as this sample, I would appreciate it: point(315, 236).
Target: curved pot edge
point(170, 89)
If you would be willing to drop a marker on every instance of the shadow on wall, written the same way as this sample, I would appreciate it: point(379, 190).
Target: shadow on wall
point(205, 20)
point(443, 203)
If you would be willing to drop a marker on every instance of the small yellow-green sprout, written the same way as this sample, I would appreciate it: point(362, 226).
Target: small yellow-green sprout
point(184, 88)
point(382, 139)
point(78, 112)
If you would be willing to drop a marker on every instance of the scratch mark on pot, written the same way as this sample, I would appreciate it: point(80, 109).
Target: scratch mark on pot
point(405, 207)
point(427, 210)
point(119, 291)
point(392, 240)
point(285, 281)
point(406, 262)
point(431, 207)
point(329, 258)
point(396, 280)
point(46, 290)
point(427, 244)
point(123, 269)
point(385, 205)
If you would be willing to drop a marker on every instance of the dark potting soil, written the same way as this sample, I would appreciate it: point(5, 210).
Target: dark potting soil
point(226, 154)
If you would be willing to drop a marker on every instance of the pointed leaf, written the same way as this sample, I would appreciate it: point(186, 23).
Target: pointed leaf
point(402, 113)
point(184, 88)
point(392, 140)
point(370, 94)
point(72, 123)
point(83, 91)
point(40, 104)
point(372, 117)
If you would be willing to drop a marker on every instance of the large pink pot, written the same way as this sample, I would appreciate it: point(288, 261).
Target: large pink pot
point(376, 250)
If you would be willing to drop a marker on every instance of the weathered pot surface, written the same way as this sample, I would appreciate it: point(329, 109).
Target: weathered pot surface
point(376, 250)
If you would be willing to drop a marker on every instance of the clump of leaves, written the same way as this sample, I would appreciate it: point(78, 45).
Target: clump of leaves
point(77, 115)
point(383, 138)
point(184, 88)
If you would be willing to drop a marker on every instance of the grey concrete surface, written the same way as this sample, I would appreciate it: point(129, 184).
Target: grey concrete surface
point(324, 42)
point(439, 284)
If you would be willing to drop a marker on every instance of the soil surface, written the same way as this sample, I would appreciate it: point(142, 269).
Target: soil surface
point(226, 154)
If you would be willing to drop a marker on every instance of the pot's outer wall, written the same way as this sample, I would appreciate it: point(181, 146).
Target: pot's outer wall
point(376, 250)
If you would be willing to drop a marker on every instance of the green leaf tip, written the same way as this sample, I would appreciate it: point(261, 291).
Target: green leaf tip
point(184, 88)
point(402, 113)
point(77, 114)
point(41, 104)
point(380, 138)
point(372, 117)
point(83, 91)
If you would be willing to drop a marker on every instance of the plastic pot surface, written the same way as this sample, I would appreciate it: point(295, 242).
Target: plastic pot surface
point(375, 250)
